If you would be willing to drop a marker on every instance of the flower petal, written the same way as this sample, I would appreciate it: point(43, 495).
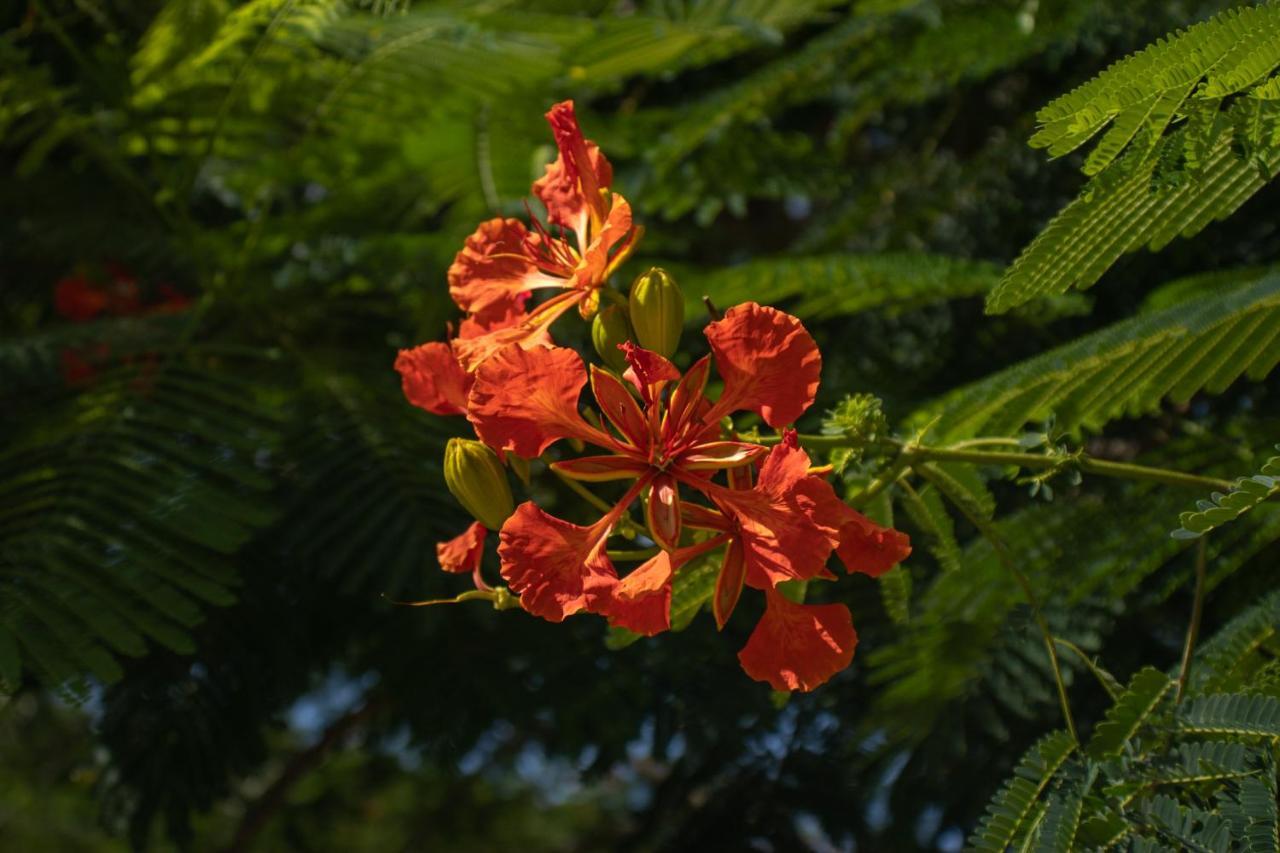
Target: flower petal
point(769, 363)
point(662, 512)
point(647, 371)
point(782, 539)
point(599, 257)
point(617, 404)
point(641, 601)
point(463, 553)
point(525, 400)
point(600, 469)
point(573, 182)
point(862, 545)
point(718, 455)
point(553, 564)
point(733, 571)
point(799, 646)
point(433, 379)
point(78, 299)
point(495, 270)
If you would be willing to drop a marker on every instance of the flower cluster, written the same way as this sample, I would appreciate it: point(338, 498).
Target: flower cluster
point(86, 294)
point(669, 442)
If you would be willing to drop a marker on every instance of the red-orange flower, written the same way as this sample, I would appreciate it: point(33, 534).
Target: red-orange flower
point(504, 260)
point(523, 401)
point(433, 374)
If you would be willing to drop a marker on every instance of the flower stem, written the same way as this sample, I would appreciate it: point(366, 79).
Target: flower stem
point(1087, 465)
point(1003, 553)
point(1193, 627)
point(1108, 683)
point(965, 452)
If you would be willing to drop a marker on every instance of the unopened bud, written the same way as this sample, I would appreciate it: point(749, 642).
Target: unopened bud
point(477, 479)
point(608, 330)
point(657, 312)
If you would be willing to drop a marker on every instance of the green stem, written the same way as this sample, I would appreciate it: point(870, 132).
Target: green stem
point(964, 452)
point(1101, 467)
point(633, 555)
point(625, 526)
point(886, 478)
point(1108, 683)
point(1193, 627)
point(1006, 558)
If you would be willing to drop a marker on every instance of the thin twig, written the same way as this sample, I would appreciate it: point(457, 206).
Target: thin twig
point(1193, 627)
point(1107, 681)
point(1006, 558)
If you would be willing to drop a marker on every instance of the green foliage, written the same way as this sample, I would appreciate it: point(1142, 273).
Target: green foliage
point(1246, 493)
point(1152, 186)
point(117, 528)
point(837, 285)
point(1130, 711)
point(1198, 344)
point(208, 525)
point(1007, 815)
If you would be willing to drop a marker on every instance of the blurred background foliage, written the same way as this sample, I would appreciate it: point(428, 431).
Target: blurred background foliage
point(222, 221)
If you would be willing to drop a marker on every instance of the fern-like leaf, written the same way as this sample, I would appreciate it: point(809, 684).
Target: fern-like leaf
point(1143, 201)
point(1142, 92)
point(1138, 702)
point(1204, 343)
point(1005, 819)
point(1245, 494)
point(1232, 713)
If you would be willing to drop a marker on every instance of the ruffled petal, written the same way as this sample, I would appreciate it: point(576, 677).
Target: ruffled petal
point(862, 544)
point(782, 539)
point(641, 601)
point(799, 646)
point(464, 552)
point(769, 363)
point(573, 182)
point(554, 565)
point(531, 332)
point(525, 400)
point(477, 325)
point(495, 270)
point(870, 548)
point(433, 379)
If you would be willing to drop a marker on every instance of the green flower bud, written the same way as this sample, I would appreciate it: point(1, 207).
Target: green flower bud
point(477, 479)
point(609, 329)
point(657, 312)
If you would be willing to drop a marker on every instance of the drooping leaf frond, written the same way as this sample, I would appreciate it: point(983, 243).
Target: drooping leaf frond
point(1151, 186)
point(1141, 94)
point(1199, 344)
point(114, 531)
